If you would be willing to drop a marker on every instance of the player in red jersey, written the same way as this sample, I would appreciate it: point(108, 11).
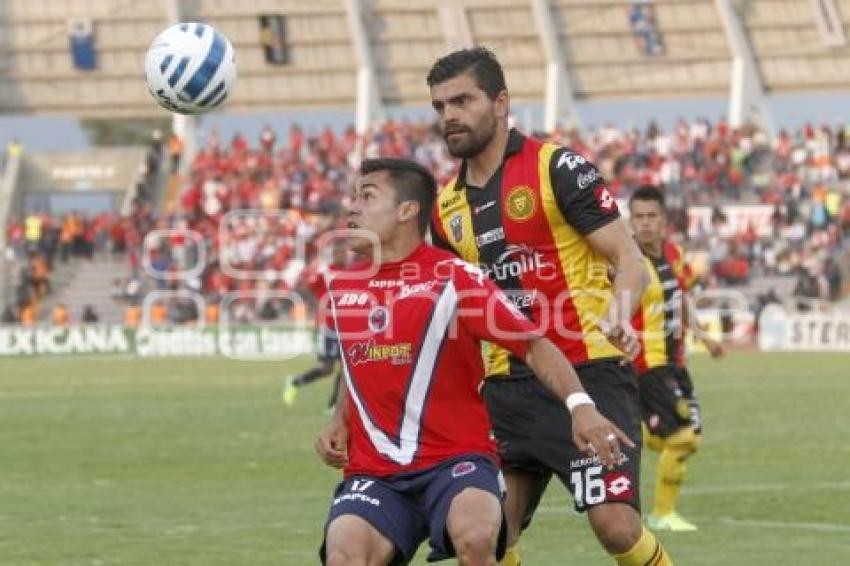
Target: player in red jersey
point(411, 430)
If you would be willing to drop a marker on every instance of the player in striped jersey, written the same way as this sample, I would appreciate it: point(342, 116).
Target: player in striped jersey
point(539, 220)
point(671, 414)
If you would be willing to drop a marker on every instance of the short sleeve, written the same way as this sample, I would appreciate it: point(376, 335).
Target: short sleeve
point(581, 192)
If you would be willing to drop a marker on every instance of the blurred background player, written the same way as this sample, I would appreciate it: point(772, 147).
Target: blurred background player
point(327, 345)
point(411, 428)
point(671, 414)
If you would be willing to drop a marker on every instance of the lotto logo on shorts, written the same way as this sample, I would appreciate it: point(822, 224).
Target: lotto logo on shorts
point(619, 486)
point(462, 469)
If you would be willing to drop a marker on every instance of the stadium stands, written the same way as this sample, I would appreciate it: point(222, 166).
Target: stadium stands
point(783, 199)
point(783, 207)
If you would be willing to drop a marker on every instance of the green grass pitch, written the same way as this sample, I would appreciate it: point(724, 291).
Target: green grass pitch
point(195, 461)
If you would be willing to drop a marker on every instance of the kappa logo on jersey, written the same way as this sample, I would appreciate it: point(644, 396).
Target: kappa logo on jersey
point(379, 318)
point(463, 468)
point(386, 283)
point(572, 160)
point(366, 352)
point(521, 203)
point(619, 486)
point(584, 180)
point(456, 224)
point(604, 198)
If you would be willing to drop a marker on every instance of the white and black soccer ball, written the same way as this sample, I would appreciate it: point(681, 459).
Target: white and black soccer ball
point(190, 68)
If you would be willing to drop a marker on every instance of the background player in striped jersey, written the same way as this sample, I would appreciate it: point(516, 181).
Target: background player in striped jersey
point(671, 414)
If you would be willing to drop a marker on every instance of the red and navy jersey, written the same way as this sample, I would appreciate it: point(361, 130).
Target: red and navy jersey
point(658, 321)
point(526, 229)
point(410, 335)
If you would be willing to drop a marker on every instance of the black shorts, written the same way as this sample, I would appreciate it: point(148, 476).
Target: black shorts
point(533, 431)
point(327, 346)
point(667, 400)
point(410, 508)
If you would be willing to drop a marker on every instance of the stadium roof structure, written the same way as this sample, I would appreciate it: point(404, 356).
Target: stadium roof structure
point(371, 54)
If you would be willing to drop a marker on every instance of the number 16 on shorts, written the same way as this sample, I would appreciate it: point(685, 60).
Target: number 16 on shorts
point(591, 486)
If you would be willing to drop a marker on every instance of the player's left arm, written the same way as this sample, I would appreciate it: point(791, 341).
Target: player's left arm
point(589, 207)
point(690, 322)
point(630, 282)
point(687, 281)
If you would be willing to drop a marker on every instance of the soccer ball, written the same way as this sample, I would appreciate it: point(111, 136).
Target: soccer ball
point(190, 68)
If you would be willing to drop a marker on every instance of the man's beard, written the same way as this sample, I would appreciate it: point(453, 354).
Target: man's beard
point(474, 142)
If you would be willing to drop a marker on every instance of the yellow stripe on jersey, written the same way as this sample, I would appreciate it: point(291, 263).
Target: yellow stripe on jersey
point(652, 310)
point(585, 269)
point(456, 218)
point(454, 208)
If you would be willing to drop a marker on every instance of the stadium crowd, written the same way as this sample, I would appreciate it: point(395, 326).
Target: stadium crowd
point(254, 206)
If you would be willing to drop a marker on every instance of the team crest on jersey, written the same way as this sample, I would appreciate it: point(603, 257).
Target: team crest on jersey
point(456, 224)
point(521, 203)
point(379, 318)
point(463, 468)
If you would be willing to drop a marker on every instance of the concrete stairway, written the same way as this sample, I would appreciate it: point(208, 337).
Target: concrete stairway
point(92, 285)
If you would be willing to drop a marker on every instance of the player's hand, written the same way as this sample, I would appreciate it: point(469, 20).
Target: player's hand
point(623, 337)
point(714, 347)
point(595, 435)
point(332, 444)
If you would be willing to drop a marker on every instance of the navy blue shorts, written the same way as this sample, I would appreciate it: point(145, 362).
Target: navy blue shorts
point(410, 508)
point(327, 346)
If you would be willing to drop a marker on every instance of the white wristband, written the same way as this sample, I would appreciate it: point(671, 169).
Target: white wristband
point(579, 398)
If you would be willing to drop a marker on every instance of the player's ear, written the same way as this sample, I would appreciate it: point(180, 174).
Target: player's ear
point(502, 104)
point(408, 210)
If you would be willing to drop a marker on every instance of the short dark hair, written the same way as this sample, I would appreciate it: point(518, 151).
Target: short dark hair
point(648, 193)
point(480, 62)
point(411, 181)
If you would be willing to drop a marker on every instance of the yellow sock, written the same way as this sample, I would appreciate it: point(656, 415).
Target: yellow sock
point(671, 470)
point(647, 551)
point(512, 557)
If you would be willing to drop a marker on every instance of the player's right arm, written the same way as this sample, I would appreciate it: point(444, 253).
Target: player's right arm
point(489, 315)
point(332, 444)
